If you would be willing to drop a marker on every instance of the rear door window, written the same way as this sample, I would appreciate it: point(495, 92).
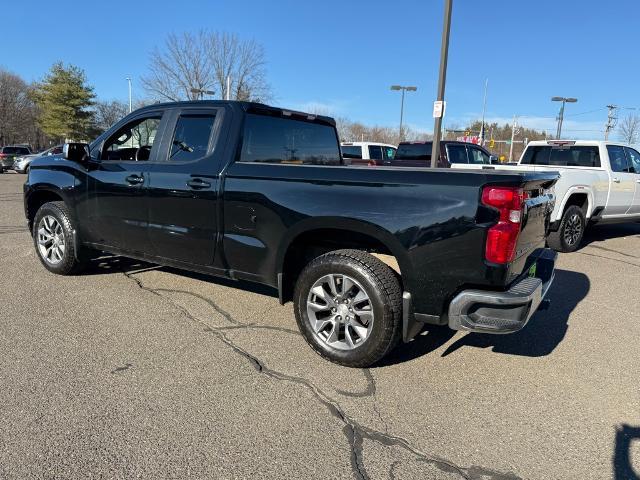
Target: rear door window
point(618, 159)
point(477, 156)
point(634, 158)
point(351, 151)
point(457, 154)
point(375, 152)
point(191, 137)
point(268, 139)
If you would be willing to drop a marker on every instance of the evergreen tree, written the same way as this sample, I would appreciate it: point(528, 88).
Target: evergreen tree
point(65, 102)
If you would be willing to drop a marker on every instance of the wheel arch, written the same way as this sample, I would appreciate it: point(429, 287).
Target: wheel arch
point(40, 195)
point(580, 196)
point(316, 236)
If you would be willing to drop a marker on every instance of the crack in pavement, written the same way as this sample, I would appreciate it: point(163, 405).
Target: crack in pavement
point(613, 251)
point(237, 325)
point(608, 258)
point(353, 431)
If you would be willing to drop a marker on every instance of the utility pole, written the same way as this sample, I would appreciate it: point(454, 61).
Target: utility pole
point(228, 87)
point(513, 135)
point(128, 79)
point(612, 120)
point(442, 79)
point(484, 108)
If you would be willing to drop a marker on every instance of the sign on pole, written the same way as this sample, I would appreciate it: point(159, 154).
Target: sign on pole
point(439, 107)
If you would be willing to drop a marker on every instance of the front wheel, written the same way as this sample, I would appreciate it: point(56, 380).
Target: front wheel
point(53, 238)
point(570, 232)
point(348, 306)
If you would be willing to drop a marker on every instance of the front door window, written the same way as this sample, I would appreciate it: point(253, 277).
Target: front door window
point(133, 142)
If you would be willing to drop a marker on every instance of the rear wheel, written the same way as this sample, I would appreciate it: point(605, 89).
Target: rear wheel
point(570, 232)
point(348, 307)
point(53, 238)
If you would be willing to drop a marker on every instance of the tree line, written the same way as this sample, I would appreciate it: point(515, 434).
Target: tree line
point(63, 105)
point(188, 66)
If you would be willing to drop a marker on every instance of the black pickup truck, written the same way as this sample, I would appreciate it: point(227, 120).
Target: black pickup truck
point(248, 191)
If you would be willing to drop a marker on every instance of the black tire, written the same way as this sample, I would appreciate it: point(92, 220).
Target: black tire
point(70, 263)
point(385, 298)
point(569, 235)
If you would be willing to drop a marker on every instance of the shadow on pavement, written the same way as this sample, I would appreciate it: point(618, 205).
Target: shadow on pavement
point(622, 468)
point(540, 337)
point(545, 330)
point(117, 264)
point(598, 233)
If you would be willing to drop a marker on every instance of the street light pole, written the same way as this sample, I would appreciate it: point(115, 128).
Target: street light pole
point(130, 104)
point(201, 93)
point(564, 100)
point(444, 54)
point(404, 89)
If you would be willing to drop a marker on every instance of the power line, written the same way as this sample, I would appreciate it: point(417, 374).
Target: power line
point(585, 113)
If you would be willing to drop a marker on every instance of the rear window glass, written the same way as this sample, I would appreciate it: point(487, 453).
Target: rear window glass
point(281, 140)
point(575, 156)
point(351, 151)
point(16, 150)
point(413, 151)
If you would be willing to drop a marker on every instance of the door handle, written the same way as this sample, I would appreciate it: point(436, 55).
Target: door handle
point(198, 184)
point(134, 179)
point(616, 180)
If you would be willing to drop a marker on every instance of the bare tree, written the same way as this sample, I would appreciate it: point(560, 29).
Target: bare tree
point(17, 110)
point(630, 129)
point(108, 113)
point(207, 61)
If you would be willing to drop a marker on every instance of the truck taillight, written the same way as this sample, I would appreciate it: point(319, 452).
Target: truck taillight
point(503, 236)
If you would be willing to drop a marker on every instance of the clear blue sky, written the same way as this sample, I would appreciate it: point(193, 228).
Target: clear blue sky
point(345, 54)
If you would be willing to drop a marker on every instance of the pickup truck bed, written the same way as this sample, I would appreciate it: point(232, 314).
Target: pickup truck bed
point(469, 245)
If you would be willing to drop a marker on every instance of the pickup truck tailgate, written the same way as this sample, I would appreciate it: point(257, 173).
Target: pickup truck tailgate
point(536, 216)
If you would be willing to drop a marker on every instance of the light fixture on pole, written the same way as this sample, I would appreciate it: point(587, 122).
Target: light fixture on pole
point(128, 79)
point(404, 89)
point(442, 79)
point(201, 92)
point(561, 114)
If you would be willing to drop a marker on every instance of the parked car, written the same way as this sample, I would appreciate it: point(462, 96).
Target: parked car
point(247, 191)
point(368, 153)
point(9, 153)
point(21, 164)
point(599, 183)
point(418, 154)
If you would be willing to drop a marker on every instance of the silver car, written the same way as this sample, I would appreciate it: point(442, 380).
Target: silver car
point(21, 164)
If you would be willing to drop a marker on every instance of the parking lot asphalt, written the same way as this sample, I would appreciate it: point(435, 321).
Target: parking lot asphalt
point(137, 371)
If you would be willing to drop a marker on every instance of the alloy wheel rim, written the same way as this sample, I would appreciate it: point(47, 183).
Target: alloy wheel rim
point(573, 230)
point(51, 243)
point(340, 311)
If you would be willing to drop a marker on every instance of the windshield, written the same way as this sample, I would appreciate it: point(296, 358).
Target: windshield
point(413, 151)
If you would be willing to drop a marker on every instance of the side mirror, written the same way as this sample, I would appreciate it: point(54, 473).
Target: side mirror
point(493, 159)
point(76, 152)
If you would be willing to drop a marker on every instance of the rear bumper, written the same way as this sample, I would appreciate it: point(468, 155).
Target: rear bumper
point(503, 312)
